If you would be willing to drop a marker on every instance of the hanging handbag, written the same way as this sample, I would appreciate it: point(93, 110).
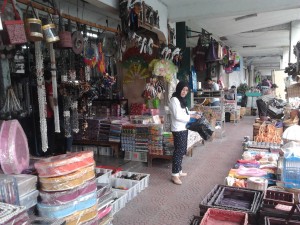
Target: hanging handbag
point(33, 26)
point(65, 37)
point(50, 33)
point(14, 31)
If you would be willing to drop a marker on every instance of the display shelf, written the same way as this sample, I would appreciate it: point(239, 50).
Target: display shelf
point(114, 145)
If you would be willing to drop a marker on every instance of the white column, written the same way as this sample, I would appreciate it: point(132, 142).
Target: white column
point(294, 38)
point(285, 58)
point(251, 74)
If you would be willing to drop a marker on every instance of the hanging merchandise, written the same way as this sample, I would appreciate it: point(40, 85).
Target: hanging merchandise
point(12, 108)
point(134, 15)
point(101, 60)
point(77, 42)
point(136, 71)
point(75, 123)
point(41, 94)
point(211, 56)
point(65, 36)
point(14, 31)
point(165, 68)
point(199, 56)
point(50, 33)
point(54, 87)
point(19, 63)
point(33, 26)
point(67, 115)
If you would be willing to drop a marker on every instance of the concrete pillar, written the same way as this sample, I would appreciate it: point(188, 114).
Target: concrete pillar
point(294, 38)
point(251, 76)
point(285, 58)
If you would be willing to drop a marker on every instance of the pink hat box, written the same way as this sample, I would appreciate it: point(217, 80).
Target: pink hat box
point(14, 157)
point(62, 197)
point(69, 181)
point(64, 164)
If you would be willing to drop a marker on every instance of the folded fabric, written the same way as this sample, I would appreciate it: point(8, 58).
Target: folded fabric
point(250, 172)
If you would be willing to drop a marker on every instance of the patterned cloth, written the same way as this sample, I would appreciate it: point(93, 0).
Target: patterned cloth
point(180, 144)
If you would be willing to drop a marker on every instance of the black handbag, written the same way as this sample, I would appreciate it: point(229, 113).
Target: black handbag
point(202, 126)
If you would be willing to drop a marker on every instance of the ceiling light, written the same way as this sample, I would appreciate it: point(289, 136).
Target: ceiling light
point(246, 17)
point(223, 38)
point(249, 46)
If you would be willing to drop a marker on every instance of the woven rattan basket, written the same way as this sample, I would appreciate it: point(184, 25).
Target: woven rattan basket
point(293, 91)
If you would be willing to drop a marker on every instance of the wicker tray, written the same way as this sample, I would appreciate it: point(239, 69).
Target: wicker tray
point(280, 196)
point(210, 198)
point(238, 199)
point(224, 217)
point(277, 221)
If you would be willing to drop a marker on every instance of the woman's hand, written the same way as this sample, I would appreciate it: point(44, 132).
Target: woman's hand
point(196, 116)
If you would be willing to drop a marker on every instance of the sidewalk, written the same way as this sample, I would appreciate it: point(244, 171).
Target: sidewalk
point(164, 203)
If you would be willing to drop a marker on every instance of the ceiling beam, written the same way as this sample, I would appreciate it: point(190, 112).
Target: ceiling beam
point(205, 9)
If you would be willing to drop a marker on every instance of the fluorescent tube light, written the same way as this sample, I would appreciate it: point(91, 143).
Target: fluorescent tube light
point(246, 17)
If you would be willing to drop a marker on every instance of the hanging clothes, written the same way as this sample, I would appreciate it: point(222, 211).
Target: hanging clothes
point(199, 53)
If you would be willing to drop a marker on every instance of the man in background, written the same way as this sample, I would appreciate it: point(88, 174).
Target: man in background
point(213, 87)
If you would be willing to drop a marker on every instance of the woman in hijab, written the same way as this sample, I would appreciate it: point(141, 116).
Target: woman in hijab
point(180, 116)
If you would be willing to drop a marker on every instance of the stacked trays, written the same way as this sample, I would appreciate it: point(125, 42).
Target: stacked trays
point(275, 204)
point(233, 198)
point(156, 139)
point(68, 188)
point(168, 143)
point(13, 215)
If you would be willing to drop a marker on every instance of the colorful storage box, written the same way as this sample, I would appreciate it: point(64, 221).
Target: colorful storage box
point(9, 190)
point(82, 216)
point(64, 164)
point(62, 197)
point(67, 182)
point(71, 208)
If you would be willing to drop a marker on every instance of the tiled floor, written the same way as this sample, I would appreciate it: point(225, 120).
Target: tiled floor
point(164, 203)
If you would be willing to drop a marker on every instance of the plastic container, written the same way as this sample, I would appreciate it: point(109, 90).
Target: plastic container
point(29, 200)
point(9, 190)
point(103, 175)
point(291, 172)
point(26, 183)
point(130, 186)
point(60, 211)
point(120, 200)
point(103, 189)
point(143, 183)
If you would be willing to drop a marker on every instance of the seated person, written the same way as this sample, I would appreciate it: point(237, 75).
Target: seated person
point(230, 94)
